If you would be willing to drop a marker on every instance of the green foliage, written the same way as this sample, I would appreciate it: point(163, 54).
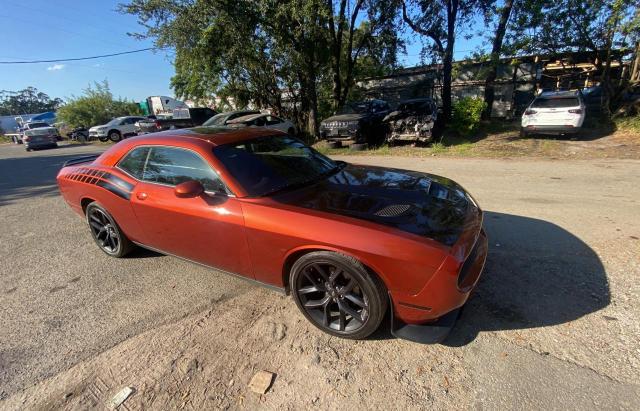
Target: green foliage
point(629, 123)
point(286, 55)
point(467, 113)
point(96, 106)
point(27, 101)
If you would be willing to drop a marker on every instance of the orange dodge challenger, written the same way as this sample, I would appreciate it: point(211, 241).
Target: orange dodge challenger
point(347, 241)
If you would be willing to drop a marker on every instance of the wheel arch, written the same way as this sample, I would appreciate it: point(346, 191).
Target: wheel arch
point(84, 203)
point(295, 254)
point(114, 130)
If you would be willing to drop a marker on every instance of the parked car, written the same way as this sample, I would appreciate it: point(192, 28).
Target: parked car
point(412, 121)
point(116, 129)
point(265, 120)
point(19, 136)
point(182, 118)
point(223, 118)
point(554, 112)
point(80, 133)
point(40, 137)
point(358, 122)
point(347, 241)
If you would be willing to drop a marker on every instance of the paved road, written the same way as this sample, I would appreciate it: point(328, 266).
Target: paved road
point(62, 299)
point(555, 322)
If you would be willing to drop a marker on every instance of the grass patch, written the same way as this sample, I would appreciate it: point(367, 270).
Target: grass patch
point(5, 139)
point(628, 123)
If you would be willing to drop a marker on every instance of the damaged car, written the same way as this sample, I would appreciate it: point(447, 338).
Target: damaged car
point(412, 121)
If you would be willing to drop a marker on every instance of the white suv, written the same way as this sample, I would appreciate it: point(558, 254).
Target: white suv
point(554, 112)
point(116, 129)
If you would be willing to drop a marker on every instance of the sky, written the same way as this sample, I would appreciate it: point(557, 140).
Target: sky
point(53, 29)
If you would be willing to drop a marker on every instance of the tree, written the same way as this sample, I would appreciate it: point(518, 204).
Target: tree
point(348, 42)
point(440, 21)
point(605, 29)
point(27, 101)
point(280, 55)
point(96, 106)
point(503, 13)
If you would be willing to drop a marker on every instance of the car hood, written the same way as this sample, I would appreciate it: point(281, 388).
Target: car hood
point(345, 117)
point(419, 203)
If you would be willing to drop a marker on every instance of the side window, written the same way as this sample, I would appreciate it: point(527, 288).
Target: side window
point(273, 120)
point(172, 166)
point(133, 163)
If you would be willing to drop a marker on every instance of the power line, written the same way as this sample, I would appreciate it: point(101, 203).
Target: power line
point(77, 58)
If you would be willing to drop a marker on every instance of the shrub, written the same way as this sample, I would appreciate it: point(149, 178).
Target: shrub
point(96, 106)
point(466, 115)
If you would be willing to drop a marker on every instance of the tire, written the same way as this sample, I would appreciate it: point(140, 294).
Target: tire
point(523, 134)
point(291, 131)
point(115, 136)
point(106, 232)
point(337, 294)
point(359, 146)
point(334, 144)
point(28, 149)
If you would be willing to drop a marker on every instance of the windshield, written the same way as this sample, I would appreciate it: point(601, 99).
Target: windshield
point(555, 102)
point(266, 165)
point(217, 120)
point(37, 125)
point(361, 107)
point(114, 122)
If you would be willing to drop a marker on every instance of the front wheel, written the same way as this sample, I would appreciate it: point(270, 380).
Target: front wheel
point(338, 294)
point(115, 136)
point(106, 232)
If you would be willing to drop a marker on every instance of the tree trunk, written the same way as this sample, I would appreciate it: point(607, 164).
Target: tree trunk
point(447, 58)
point(489, 91)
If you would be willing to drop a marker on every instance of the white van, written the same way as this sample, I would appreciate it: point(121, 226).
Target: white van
point(554, 112)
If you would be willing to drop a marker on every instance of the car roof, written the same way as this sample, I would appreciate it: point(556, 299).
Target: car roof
point(248, 117)
point(214, 135)
point(559, 94)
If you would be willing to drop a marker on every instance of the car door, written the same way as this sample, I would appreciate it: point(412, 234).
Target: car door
point(208, 229)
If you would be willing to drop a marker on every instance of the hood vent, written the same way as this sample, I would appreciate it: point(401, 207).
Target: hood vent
point(394, 210)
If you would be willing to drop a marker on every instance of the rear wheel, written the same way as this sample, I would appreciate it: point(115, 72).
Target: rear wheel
point(106, 232)
point(337, 294)
point(523, 133)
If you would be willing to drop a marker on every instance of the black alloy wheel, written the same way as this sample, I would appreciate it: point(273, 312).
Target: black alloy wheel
point(338, 295)
point(106, 232)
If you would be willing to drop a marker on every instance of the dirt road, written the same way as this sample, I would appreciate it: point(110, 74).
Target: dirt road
point(554, 323)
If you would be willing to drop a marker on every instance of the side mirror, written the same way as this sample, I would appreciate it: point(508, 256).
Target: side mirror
point(189, 189)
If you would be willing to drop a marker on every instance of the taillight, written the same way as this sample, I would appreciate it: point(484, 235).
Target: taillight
point(529, 112)
point(26, 138)
point(158, 125)
point(575, 111)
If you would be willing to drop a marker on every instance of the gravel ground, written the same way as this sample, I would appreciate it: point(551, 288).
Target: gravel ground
point(554, 323)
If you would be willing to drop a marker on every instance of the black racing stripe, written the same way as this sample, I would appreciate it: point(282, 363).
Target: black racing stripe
point(118, 182)
point(114, 189)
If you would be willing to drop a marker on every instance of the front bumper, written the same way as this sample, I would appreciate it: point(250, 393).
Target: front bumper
point(338, 134)
point(97, 134)
point(446, 293)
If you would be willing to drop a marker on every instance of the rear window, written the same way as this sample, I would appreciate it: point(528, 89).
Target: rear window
point(556, 102)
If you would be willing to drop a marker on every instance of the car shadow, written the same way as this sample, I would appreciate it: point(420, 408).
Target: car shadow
point(32, 176)
point(537, 274)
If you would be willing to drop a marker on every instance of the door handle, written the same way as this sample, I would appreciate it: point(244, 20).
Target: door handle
point(141, 196)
